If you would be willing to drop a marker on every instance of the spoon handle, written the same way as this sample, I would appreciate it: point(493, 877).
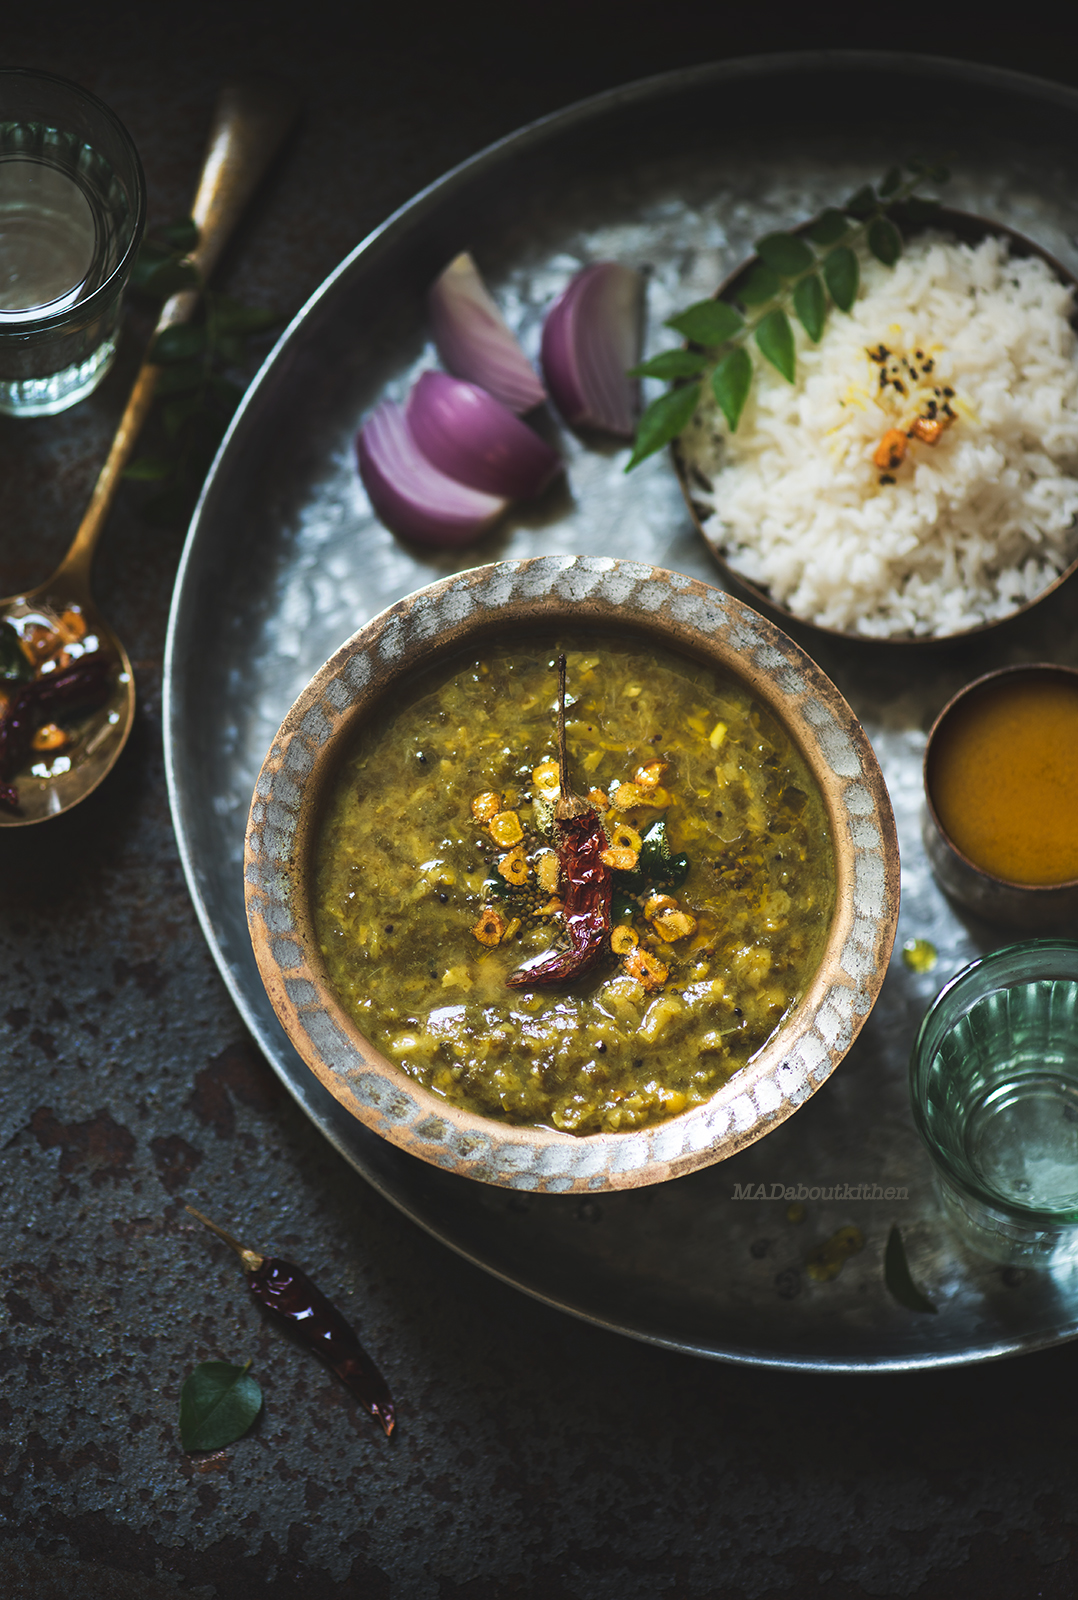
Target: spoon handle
point(250, 123)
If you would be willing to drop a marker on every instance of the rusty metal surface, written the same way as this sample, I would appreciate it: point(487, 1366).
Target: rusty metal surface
point(536, 1456)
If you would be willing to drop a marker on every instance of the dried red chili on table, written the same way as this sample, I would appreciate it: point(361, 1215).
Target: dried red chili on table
point(580, 842)
point(286, 1291)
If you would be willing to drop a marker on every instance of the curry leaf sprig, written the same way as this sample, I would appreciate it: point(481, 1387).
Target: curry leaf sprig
point(798, 272)
point(194, 399)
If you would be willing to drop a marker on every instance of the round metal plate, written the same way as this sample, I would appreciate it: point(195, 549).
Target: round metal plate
point(284, 561)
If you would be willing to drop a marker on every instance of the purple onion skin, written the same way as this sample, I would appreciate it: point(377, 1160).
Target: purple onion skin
point(591, 335)
point(409, 494)
point(470, 436)
point(474, 341)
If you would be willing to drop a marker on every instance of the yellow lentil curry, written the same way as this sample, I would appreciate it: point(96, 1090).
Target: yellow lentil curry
point(437, 875)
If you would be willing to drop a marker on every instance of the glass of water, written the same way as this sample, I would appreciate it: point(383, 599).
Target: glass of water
point(72, 211)
point(994, 1085)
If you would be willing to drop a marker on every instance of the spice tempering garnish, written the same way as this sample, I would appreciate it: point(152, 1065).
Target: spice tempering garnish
point(580, 844)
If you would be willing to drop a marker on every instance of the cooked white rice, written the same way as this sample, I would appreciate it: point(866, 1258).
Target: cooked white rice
point(973, 525)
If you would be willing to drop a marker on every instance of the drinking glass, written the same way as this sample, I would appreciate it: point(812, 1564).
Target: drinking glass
point(994, 1086)
point(72, 210)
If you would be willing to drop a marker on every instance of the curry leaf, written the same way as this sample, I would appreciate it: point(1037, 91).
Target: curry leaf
point(170, 278)
point(178, 343)
point(730, 384)
point(218, 1403)
point(829, 227)
point(842, 275)
point(896, 1275)
point(180, 378)
point(810, 303)
point(663, 420)
point(884, 240)
point(862, 203)
point(231, 317)
point(761, 285)
point(709, 322)
point(148, 469)
point(920, 209)
point(775, 338)
point(657, 861)
point(891, 182)
point(671, 364)
point(181, 235)
point(785, 253)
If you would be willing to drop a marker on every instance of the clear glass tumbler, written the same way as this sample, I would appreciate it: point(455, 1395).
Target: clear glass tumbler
point(72, 211)
point(994, 1086)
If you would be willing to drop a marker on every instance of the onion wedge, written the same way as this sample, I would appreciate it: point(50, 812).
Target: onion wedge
point(591, 336)
point(474, 341)
point(467, 434)
point(410, 495)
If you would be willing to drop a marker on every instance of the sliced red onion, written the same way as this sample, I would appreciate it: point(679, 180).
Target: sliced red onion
point(410, 495)
point(474, 341)
point(472, 437)
point(592, 334)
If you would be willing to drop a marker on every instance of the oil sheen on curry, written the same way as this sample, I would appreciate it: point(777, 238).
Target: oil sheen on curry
point(473, 938)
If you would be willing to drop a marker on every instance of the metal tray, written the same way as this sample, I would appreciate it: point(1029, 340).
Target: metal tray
point(284, 561)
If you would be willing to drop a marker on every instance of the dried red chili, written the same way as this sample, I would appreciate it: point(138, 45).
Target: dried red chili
point(588, 881)
point(83, 685)
point(286, 1291)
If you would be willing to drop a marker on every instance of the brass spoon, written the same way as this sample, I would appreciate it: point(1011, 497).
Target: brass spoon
point(250, 121)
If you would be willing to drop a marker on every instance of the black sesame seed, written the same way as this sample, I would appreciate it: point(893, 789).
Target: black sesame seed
point(601, 1047)
point(887, 478)
point(389, 927)
point(421, 757)
point(949, 393)
point(443, 897)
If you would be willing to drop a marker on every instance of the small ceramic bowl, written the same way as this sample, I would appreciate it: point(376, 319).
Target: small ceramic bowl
point(1035, 907)
point(597, 594)
point(967, 229)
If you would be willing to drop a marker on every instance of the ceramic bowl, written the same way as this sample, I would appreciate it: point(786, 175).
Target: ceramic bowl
point(1034, 907)
point(596, 593)
point(967, 229)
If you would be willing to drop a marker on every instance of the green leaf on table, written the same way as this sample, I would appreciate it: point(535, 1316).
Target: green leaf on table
point(892, 181)
point(829, 227)
point(181, 235)
point(896, 1275)
point(842, 275)
point(670, 364)
point(784, 253)
point(761, 285)
point(14, 667)
point(775, 338)
point(730, 383)
point(663, 420)
point(810, 303)
point(170, 278)
point(178, 343)
point(218, 1403)
point(181, 378)
point(229, 316)
point(708, 322)
point(884, 240)
point(148, 469)
point(147, 261)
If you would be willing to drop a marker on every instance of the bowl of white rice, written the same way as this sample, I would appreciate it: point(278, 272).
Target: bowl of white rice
point(919, 479)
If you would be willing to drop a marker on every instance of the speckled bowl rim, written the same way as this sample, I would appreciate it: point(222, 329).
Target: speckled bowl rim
point(591, 592)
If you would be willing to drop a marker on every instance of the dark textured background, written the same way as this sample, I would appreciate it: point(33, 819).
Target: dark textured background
point(536, 1457)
